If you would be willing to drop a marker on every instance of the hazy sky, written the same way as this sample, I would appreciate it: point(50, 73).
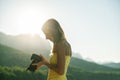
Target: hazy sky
point(91, 26)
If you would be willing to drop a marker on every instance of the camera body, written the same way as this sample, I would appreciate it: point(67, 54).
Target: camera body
point(35, 59)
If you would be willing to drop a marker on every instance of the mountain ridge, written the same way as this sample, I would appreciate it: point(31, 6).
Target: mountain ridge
point(10, 43)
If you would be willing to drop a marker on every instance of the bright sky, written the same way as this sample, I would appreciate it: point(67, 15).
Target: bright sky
point(92, 26)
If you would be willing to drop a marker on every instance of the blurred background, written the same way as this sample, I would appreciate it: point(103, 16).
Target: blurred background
point(92, 27)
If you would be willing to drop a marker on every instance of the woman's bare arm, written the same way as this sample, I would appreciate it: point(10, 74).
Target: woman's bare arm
point(60, 66)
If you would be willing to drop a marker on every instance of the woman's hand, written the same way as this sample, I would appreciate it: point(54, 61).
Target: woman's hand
point(42, 62)
point(39, 64)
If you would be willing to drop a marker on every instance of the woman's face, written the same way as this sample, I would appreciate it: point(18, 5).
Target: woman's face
point(49, 33)
point(49, 36)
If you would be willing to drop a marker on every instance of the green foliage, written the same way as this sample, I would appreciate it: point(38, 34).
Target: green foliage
point(19, 73)
point(76, 74)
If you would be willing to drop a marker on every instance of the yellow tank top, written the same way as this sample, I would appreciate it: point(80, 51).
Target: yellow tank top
point(52, 75)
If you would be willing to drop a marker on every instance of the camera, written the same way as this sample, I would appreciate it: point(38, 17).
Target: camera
point(35, 59)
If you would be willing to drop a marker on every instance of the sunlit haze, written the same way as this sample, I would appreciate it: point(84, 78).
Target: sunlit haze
point(91, 26)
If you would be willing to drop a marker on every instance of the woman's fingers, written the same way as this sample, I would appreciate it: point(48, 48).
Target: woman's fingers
point(37, 64)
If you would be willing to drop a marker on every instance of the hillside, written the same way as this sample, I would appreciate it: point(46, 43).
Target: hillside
point(90, 66)
point(26, 42)
point(112, 65)
point(18, 73)
point(12, 57)
point(78, 69)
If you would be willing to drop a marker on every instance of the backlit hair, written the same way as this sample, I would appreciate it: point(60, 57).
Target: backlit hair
point(55, 29)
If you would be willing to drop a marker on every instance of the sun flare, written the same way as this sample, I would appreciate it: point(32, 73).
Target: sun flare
point(30, 21)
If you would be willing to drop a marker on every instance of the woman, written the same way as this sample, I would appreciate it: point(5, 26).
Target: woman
point(61, 52)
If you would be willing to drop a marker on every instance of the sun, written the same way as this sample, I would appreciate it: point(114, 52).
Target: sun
point(30, 21)
point(33, 30)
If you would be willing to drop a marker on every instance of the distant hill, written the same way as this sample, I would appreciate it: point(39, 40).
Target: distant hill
point(112, 65)
point(90, 66)
point(26, 43)
point(77, 55)
point(29, 43)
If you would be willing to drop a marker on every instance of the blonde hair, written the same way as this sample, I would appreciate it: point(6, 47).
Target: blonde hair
point(54, 28)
